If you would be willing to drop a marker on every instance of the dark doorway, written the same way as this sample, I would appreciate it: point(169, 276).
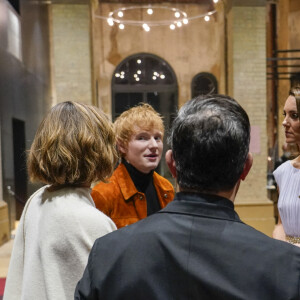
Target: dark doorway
point(20, 172)
point(15, 4)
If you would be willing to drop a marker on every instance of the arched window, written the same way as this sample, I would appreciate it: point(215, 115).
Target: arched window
point(203, 84)
point(146, 78)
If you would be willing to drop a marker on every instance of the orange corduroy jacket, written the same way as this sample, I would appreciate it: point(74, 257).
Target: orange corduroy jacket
point(122, 202)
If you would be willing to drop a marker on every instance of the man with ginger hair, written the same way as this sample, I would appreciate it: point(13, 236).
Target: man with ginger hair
point(135, 190)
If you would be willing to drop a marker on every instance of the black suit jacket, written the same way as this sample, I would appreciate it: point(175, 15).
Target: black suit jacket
point(195, 248)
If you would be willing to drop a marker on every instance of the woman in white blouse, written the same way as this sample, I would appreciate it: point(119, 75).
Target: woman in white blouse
point(287, 176)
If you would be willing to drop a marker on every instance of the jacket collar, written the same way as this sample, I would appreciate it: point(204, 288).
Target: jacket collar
point(127, 186)
point(205, 205)
point(125, 182)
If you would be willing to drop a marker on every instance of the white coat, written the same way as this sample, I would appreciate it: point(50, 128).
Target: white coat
point(55, 235)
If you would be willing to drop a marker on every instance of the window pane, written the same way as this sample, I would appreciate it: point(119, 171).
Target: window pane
point(124, 101)
point(165, 104)
point(204, 84)
point(144, 70)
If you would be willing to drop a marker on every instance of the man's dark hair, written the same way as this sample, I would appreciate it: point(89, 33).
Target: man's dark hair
point(210, 141)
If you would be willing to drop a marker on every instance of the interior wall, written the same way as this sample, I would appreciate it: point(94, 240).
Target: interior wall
point(71, 45)
point(283, 41)
point(249, 89)
point(24, 87)
point(191, 49)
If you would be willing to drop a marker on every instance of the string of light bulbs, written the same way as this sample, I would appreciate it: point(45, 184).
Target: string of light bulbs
point(179, 17)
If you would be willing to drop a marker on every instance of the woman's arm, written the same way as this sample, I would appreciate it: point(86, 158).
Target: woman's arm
point(278, 232)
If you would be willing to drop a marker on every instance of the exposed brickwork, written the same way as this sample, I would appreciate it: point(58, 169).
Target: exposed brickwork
point(248, 86)
point(71, 52)
point(200, 2)
point(198, 47)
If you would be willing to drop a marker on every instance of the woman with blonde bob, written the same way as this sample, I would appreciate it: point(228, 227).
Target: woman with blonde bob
point(73, 147)
point(135, 191)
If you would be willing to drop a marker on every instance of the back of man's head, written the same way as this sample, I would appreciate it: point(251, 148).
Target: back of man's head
point(210, 143)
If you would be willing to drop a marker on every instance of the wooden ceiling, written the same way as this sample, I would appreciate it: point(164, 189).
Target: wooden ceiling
point(174, 2)
point(201, 2)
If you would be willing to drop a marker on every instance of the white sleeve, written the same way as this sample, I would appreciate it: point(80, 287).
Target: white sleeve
point(278, 173)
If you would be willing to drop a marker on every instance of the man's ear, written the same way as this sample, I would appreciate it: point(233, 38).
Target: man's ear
point(247, 166)
point(171, 163)
point(121, 147)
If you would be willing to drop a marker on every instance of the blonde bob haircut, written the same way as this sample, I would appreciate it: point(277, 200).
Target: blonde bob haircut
point(142, 117)
point(73, 146)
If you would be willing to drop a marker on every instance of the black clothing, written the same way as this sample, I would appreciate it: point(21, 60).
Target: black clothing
point(144, 184)
point(195, 248)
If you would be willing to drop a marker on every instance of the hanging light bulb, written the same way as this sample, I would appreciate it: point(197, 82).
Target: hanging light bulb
point(149, 11)
point(146, 27)
point(178, 17)
point(177, 14)
point(110, 21)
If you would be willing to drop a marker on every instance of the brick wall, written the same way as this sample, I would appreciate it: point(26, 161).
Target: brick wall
point(197, 47)
point(71, 52)
point(248, 86)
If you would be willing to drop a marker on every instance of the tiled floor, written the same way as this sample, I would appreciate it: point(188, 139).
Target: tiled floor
point(5, 252)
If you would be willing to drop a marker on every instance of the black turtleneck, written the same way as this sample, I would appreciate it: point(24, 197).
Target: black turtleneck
point(144, 184)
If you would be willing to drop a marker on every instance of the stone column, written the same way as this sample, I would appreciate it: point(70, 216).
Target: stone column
point(247, 84)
